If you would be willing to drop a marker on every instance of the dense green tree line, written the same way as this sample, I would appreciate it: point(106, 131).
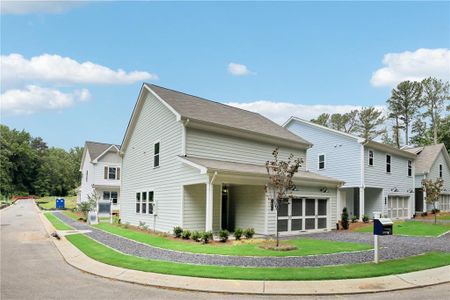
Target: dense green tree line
point(416, 108)
point(29, 167)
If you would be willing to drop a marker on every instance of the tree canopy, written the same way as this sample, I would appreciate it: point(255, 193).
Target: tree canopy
point(29, 167)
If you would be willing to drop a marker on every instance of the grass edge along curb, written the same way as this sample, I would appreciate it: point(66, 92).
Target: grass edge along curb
point(413, 228)
point(233, 250)
point(56, 222)
point(104, 254)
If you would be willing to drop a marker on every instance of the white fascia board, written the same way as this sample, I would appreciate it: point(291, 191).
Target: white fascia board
point(202, 169)
point(178, 116)
point(104, 152)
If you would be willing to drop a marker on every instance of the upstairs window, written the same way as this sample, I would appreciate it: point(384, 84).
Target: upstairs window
point(112, 173)
point(87, 175)
point(321, 161)
point(440, 170)
point(138, 202)
point(409, 168)
point(388, 163)
point(370, 158)
point(156, 155)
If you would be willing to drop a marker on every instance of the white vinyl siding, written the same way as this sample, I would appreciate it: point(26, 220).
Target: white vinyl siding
point(249, 207)
point(155, 123)
point(221, 147)
point(194, 208)
point(342, 152)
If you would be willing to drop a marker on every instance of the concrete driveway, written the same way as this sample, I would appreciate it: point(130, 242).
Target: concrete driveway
point(32, 268)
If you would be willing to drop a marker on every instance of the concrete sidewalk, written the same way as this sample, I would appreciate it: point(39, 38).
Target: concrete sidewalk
point(79, 260)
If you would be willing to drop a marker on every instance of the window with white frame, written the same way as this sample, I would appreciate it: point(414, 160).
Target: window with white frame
point(440, 170)
point(388, 163)
point(111, 173)
point(144, 203)
point(409, 168)
point(151, 203)
point(370, 160)
point(111, 196)
point(156, 155)
point(138, 202)
point(87, 173)
point(321, 165)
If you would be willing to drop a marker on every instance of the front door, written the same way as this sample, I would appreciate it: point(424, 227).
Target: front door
point(301, 214)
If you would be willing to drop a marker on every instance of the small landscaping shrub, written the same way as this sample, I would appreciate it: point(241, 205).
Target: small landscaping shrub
point(206, 237)
point(365, 219)
point(142, 225)
point(237, 234)
point(126, 225)
point(116, 220)
point(196, 236)
point(435, 211)
point(249, 233)
point(354, 219)
point(177, 231)
point(223, 235)
point(344, 218)
point(424, 214)
point(186, 234)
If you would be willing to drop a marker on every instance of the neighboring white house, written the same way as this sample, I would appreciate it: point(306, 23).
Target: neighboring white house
point(378, 177)
point(100, 169)
point(432, 162)
point(199, 164)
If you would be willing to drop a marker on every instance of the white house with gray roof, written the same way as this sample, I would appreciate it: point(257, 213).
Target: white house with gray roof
point(378, 178)
point(199, 164)
point(101, 171)
point(432, 162)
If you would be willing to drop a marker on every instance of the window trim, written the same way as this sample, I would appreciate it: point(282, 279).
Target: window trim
point(158, 154)
point(324, 161)
point(107, 168)
point(388, 164)
point(110, 198)
point(368, 157)
point(147, 203)
point(409, 163)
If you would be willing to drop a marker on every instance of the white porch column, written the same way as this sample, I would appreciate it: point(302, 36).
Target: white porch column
point(339, 204)
point(209, 207)
point(361, 203)
point(424, 201)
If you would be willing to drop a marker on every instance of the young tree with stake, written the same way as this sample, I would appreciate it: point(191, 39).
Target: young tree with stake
point(433, 189)
point(280, 182)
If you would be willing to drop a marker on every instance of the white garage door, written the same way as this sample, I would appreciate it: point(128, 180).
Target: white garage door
point(398, 207)
point(444, 203)
point(301, 214)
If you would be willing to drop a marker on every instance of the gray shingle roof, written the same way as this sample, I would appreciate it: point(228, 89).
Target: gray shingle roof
point(200, 109)
point(96, 148)
point(425, 157)
point(233, 167)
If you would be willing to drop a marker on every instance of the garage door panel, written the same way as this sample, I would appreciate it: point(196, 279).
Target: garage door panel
point(398, 206)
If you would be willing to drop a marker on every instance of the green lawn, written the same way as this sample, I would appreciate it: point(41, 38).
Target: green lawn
point(305, 246)
point(106, 255)
point(415, 228)
point(50, 202)
point(446, 217)
point(57, 223)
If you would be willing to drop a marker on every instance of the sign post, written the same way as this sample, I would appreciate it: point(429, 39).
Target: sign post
point(375, 248)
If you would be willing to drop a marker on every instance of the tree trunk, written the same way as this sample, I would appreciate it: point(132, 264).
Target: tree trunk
point(433, 121)
point(406, 132)
point(278, 236)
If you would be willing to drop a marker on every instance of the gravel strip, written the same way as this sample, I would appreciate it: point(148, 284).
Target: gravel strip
point(398, 247)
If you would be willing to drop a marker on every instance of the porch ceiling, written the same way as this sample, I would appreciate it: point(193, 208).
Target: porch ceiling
point(205, 165)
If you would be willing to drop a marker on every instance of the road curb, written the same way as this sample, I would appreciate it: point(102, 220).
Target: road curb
point(74, 257)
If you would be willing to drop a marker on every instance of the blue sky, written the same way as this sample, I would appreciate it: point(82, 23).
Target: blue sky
point(289, 58)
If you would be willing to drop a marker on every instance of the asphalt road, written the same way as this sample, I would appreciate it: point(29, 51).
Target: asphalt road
point(32, 268)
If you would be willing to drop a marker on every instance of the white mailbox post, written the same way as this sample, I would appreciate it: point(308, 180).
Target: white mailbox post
point(381, 226)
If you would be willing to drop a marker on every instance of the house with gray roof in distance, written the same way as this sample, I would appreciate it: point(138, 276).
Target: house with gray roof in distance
point(432, 162)
point(379, 179)
point(200, 164)
point(101, 171)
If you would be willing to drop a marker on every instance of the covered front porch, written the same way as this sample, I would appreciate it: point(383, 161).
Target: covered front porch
point(233, 195)
point(107, 199)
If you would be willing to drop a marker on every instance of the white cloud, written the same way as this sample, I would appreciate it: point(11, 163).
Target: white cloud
point(57, 69)
point(20, 7)
point(280, 112)
point(415, 65)
point(238, 69)
point(34, 98)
